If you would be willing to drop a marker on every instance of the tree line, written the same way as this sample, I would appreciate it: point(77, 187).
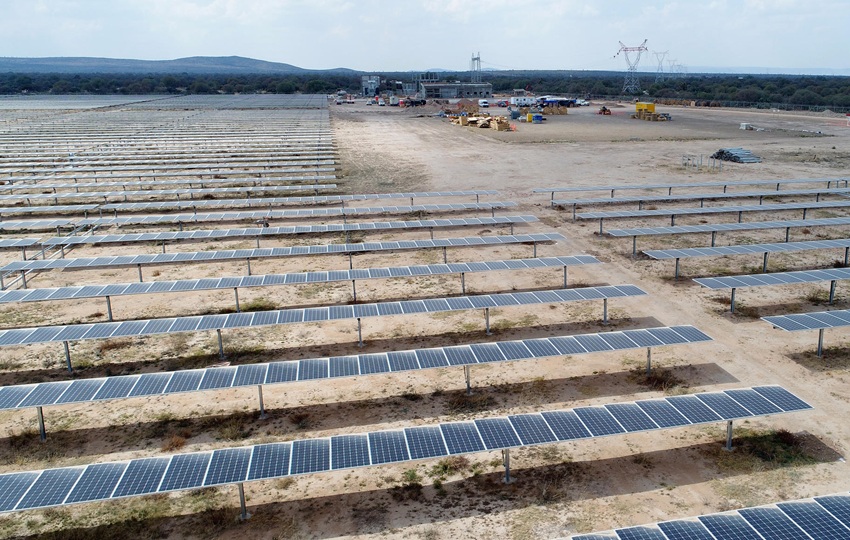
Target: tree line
point(817, 92)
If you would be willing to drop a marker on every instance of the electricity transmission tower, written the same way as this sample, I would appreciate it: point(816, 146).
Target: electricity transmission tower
point(475, 68)
point(632, 84)
point(659, 57)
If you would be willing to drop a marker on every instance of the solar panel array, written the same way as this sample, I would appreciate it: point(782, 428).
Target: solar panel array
point(152, 192)
point(729, 227)
point(143, 327)
point(7, 243)
point(714, 210)
point(268, 280)
point(829, 181)
point(36, 225)
point(818, 518)
point(314, 178)
point(745, 249)
point(53, 209)
point(698, 196)
point(142, 476)
point(810, 321)
point(295, 251)
point(225, 234)
point(199, 380)
point(778, 278)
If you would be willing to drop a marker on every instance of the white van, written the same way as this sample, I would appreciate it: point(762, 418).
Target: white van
point(483, 103)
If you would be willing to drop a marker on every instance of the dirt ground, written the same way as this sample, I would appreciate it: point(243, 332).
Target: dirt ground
point(558, 489)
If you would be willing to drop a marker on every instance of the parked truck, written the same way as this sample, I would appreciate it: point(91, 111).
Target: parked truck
point(523, 101)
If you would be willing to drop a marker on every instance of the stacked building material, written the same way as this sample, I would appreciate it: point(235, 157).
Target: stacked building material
point(738, 155)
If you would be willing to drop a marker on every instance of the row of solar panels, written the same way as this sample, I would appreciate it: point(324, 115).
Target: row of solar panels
point(714, 210)
point(778, 278)
point(724, 185)
point(177, 191)
point(217, 378)
point(141, 476)
point(295, 251)
point(76, 332)
point(698, 196)
point(269, 280)
point(819, 518)
point(195, 174)
point(224, 234)
point(83, 165)
point(7, 243)
point(314, 178)
point(240, 216)
point(53, 209)
point(810, 321)
point(730, 227)
point(745, 249)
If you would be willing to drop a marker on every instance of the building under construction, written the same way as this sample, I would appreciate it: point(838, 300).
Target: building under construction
point(455, 90)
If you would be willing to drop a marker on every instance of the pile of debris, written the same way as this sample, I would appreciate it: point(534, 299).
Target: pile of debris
point(497, 123)
point(738, 155)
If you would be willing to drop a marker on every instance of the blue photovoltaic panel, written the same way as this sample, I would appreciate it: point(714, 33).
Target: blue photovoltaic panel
point(343, 366)
point(838, 506)
point(270, 461)
point(374, 363)
point(598, 420)
point(250, 374)
point(532, 429)
point(631, 417)
point(782, 398)
point(693, 409)
point(116, 387)
point(387, 447)
point(81, 390)
point(13, 487)
point(184, 381)
point(349, 451)
point(221, 377)
point(228, 465)
point(310, 456)
point(402, 360)
point(497, 433)
point(185, 471)
point(313, 369)
point(640, 533)
point(97, 482)
point(815, 520)
point(662, 413)
point(566, 425)
point(51, 488)
point(282, 372)
point(753, 401)
point(729, 526)
point(596, 536)
point(685, 530)
point(724, 405)
point(150, 383)
point(461, 438)
point(142, 476)
point(45, 394)
point(10, 396)
point(772, 523)
point(425, 442)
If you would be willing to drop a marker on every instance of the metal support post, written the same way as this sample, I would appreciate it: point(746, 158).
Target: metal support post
point(431, 230)
point(220, 343)
point(62, 251)
point(831, 291)
point(163, 247)
point(676, 275)
point(243, 514)
point(729, 436)
point(673, 220)
point(24, 278)
point(23, 253)
point(565, 277)
point(109, 308)
point(236, 294)
point(359, 333)
point(740, 216)
point(634, 246)
point(534, 250)
point(248, 261)
point(262, 405)
point(787, 233)
point(713, 237)
point(466, 375)
point(487, 322)
point(732, 302)
point(68, 357)
point(648, 361)
point(139, 266)
point(354, 289)
point(258, 242)
point(445, 256)
point(820, 343)
point(463, 283)
point(512, 229)
point(846, 255)
point(764, 263)
point(600, 226)
point(604, 311)
point(350, 262)
point(804, 212)
point(42, 433)
point(506, 459)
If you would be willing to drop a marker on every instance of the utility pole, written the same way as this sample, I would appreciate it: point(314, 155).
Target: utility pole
point(659, 57)
point(631, 85)
point(475, 68)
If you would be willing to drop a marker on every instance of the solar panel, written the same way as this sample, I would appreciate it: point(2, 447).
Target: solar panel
point(309, 456)
point(349, 451)
point(815, 520)
point(388, 447)
point(838, 506)
point(497, 433)
point(745, 249)
point(217, 256)
point(462, 437)
point(228, 465)
point(685, 530)
point(729, 227)
point(12, 488)
point(698, 196)
point(117, 387)
point(693, 409)
point(772, 523)
point(211, 322)
point(270, 461)
point(640, 533)
point(425, 442)
point(714, 210)
point(631, 417)
point(688, 185)
point(599, 421)
point(731, 526)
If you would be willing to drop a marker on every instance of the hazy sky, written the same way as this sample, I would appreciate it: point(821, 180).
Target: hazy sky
point(421, 34)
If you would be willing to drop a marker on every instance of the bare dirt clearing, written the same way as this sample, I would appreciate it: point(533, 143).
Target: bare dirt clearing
point(559, 489)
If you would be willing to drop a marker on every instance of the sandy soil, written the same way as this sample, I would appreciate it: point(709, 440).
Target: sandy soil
point(558, 489)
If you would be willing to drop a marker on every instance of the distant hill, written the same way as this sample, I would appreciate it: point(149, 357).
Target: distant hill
point(193, 65)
